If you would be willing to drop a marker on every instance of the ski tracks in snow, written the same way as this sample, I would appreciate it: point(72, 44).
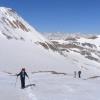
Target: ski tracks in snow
point(31, 95)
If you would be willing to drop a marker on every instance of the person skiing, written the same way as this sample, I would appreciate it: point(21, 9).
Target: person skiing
point(79, 74)
point(22, 75)
point(75, 73)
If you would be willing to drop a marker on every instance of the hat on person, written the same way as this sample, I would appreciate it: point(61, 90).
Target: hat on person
point(23, 69)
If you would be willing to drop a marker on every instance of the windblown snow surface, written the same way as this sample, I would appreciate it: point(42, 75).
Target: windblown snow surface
point(50, 71)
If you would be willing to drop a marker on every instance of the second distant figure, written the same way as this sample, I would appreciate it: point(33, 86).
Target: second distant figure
point(79, 74)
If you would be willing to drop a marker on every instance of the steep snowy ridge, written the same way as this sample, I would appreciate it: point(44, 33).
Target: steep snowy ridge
point(21, 45)
point(13, 26)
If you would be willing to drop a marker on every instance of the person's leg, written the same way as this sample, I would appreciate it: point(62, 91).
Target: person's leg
point(79, 75)
point(22, 83)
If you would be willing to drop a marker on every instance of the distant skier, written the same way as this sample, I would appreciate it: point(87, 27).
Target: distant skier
point(22, 75)
point(75, 74)
point(79, 74)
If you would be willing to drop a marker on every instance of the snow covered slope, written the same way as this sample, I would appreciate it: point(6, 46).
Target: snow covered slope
point(50, 63)
point(87, 46)
point(13, 26)
point(22, 46)
point(82, 50)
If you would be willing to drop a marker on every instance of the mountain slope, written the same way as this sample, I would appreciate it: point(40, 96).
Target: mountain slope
point(22, 46)
point(13, 26)
point(52, 72)
point(85, 45)
point(82, 50)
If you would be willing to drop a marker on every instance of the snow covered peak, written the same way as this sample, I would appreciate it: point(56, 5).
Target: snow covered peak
point(4, 9)
point(13, 26)
point(7, 12)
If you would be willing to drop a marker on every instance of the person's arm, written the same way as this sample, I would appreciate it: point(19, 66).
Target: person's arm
point(18, 74)
point(26, 75)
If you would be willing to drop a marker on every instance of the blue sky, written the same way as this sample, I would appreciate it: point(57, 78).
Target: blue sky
point(59, 15)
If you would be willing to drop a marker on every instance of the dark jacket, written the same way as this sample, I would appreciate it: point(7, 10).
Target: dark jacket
point(79, 72)
point(22, 75)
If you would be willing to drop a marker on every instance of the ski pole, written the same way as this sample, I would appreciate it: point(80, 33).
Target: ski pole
point(30, 83)
point(16, 81)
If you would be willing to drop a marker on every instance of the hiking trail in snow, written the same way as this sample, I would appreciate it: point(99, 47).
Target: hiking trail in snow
point(31, 95)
